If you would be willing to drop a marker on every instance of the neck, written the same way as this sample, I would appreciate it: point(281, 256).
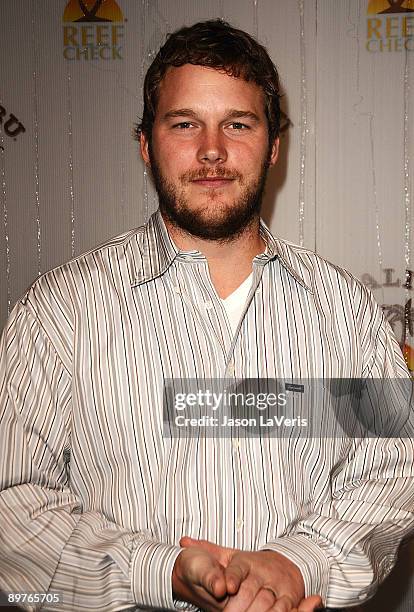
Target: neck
point(230, 261)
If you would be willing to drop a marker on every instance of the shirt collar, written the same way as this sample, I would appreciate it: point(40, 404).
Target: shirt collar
point(289, 255)
point(157, 251)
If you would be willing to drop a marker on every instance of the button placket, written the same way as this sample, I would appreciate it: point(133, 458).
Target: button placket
point(192, 284)
point(231, 368)
point(236, 445)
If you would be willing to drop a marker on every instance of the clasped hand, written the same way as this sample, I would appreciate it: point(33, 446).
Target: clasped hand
point(216, 578)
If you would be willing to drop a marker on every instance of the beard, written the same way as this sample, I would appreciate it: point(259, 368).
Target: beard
point(217, 220)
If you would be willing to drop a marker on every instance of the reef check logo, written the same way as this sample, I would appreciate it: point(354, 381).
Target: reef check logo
point(96, 31)
point(392, 29)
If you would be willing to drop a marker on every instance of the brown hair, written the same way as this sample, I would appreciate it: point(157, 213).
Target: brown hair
point(215, 44)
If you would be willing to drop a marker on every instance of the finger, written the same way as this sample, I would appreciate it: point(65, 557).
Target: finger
point(187, 542)
point(283, 604)
point(245, 596)
point(207, 602)
point(214, 582)
point(264, 601)
point(311, 603)
point(235, 574)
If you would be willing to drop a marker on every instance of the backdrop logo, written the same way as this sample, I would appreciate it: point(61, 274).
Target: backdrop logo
point(392, 28)
point(10, 123)
point(400, 317)
point(96, 31)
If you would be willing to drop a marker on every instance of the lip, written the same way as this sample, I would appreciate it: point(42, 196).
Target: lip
point(213, 182)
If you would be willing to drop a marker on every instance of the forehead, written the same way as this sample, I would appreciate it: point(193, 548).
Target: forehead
point(207, 89)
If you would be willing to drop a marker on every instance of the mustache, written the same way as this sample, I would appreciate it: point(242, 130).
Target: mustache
point(207, 173)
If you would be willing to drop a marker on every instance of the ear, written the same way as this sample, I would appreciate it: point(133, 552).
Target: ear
point(274, 153)
point(144, 147)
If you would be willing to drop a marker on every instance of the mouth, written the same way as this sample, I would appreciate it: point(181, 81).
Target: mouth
point(213, 181)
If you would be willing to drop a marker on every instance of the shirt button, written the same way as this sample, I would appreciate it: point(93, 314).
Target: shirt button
point(239, 524)
point(236, 445)
point(208, 305)
point(177, 289)
point(230, 367)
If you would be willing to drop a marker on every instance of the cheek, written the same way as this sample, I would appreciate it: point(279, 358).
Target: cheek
point(173, 159)
point(247, 154)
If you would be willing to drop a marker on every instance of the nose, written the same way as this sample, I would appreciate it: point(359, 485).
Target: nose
point(212, 148)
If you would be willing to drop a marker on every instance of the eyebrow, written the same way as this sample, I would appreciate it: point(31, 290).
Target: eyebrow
point(179, 112)
point(231, 113)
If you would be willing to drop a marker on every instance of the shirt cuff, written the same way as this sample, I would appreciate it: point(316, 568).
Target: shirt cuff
point(310, 559)
point(152, 566)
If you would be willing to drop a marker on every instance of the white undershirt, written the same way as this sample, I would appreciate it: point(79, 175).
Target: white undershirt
point(235, 302)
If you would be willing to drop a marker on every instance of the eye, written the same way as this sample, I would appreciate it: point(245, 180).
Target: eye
point(236, 125)
point(183, 125)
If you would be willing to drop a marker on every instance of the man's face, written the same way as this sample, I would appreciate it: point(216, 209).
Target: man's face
point(209, 152)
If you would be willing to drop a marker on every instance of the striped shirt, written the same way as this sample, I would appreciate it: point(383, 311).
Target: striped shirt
point(94, 499)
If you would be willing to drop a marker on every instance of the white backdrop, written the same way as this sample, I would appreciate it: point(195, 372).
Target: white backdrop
point(70, 173)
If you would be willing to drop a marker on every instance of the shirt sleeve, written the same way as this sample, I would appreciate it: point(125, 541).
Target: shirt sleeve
point(350, 544)
point(48, 541)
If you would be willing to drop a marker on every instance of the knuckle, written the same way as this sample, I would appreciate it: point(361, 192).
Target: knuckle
point(250, 589)
point(255, 583)
point(267, 597)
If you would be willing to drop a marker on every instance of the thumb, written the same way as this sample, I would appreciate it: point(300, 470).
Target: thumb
point(220, 553)
point(310, 604)
point(187, 542)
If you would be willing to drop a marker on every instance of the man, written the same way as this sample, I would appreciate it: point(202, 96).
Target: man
point(101, 510)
